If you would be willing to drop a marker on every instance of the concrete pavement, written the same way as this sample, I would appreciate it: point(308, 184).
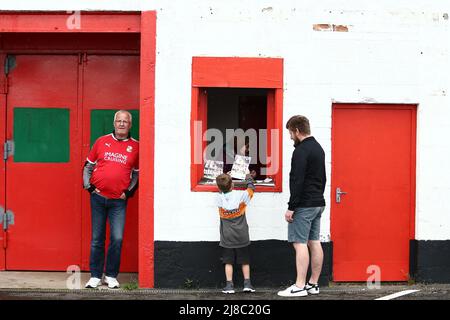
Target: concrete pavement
point(64, 286)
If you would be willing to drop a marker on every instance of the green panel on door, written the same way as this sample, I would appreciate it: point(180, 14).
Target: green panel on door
point(41, 135)
point(102, 123)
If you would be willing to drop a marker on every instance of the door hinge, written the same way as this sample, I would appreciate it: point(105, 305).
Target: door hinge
point(82, 58)
point(10, 63)
point(8, 149)
point(6, 218)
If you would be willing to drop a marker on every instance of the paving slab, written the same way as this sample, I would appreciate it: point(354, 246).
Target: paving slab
point(51, 280)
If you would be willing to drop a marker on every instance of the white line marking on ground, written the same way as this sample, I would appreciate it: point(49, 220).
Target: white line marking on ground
point(396, 295)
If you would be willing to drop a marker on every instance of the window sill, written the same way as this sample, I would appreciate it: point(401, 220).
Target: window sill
point(260, 187)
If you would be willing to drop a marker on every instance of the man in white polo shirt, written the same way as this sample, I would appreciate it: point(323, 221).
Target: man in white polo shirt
point(110, 175)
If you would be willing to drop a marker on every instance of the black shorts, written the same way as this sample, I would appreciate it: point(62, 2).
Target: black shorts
point(236, 255)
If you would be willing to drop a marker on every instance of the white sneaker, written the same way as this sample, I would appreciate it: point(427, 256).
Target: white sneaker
point(312, 288)
point(112, 282)
point(93, 283)
point(293, 291)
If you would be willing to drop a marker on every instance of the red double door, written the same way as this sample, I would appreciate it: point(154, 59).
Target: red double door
point(45, 111)
point(373, 191)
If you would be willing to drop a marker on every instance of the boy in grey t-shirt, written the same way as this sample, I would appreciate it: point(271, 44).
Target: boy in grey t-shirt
point(234, 235)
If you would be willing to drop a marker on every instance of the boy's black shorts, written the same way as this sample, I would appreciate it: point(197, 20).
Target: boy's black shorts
point(236, 255)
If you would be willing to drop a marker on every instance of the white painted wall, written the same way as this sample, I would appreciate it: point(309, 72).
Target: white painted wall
point(394, 52)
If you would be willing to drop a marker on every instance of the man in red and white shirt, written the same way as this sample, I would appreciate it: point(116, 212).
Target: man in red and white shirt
point(110, 175)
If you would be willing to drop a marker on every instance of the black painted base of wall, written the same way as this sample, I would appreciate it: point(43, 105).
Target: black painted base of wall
point(430, 261)
point(198, 265)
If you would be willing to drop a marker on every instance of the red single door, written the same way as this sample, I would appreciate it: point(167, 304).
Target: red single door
point(373, 152)
point(43, 175)
point(110, 83)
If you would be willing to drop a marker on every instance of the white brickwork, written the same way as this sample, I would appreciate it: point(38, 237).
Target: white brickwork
point(380, 51)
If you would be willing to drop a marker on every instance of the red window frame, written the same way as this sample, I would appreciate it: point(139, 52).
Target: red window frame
point(227, 72)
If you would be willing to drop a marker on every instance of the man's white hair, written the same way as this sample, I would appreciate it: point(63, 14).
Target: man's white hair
point(123, 111)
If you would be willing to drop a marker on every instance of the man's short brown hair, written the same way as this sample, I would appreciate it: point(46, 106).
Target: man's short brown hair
point(224, 182)
point(299, 122)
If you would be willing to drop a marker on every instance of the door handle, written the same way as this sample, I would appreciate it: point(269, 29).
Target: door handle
point(338, 195)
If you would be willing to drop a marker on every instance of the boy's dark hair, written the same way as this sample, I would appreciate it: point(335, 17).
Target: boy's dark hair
point(299, 122)
point(224, 182)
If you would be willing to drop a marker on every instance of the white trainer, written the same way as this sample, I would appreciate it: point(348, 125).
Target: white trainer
point(112, 282)
point(312, 288)
point(93, 283)
point(293, 291)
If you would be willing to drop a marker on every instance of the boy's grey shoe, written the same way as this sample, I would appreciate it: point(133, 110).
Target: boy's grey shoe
point(229, 288)
point(248, 286)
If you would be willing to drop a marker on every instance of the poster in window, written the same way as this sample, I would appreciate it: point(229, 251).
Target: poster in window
point(240, 167)
point(212, 169)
